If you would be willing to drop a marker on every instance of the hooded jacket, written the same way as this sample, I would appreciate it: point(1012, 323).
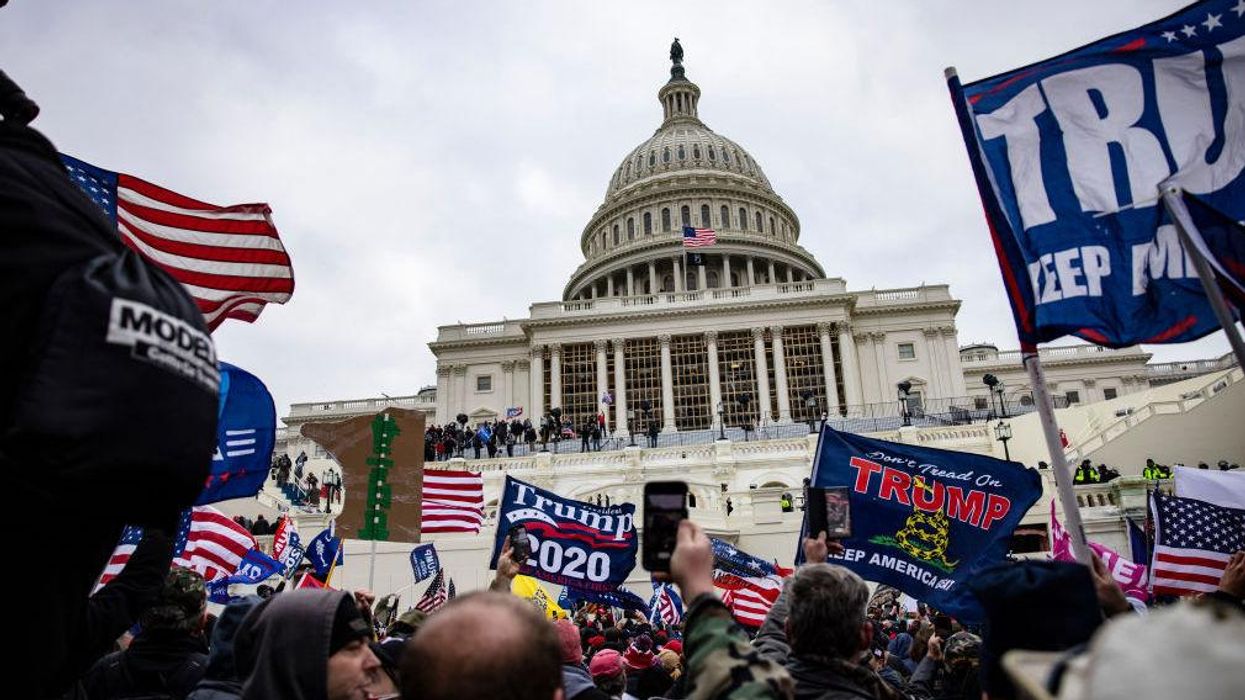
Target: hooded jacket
point(221, 681)
point(282, 646)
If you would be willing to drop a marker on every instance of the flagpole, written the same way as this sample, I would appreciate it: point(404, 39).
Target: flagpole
point(371, 570)
point(1059, 461)
point(1195, 247)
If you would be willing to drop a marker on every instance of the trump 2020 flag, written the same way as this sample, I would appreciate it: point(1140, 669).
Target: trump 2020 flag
point(424, 561)
point(573, 543)
point(1070, 156)
point(256, 567)
point(245, 434)
point(924, 520)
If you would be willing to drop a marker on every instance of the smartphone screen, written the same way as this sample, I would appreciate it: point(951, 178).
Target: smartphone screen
point(520, 545)
point(665, 504)
point(829, 510)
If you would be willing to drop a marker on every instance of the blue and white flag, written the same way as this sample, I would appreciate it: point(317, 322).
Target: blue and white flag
point(732, 560)
point(424, 561)
point(573, 543)
point(617, 598)
point(256, 567)
point(245, 434)
point(666, 606)
point(1070, 155)
point(292, 556)
point(924, 521)
point(323, 549)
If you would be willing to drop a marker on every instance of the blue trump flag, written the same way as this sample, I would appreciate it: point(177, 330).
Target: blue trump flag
point(618, 598)
point(424, 561)
point(255, 567)
point(245, 434)
point(323, 549)
point(573, 543)
point(924, 520)
point(1070, 155)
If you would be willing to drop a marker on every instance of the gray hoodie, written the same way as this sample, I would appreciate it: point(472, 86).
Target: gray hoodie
point(282, 647)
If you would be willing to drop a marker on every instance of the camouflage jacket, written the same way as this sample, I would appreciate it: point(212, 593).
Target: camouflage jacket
point(721, 663)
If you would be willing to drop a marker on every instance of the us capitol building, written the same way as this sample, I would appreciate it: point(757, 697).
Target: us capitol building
point(756, 335)
point(759, 336)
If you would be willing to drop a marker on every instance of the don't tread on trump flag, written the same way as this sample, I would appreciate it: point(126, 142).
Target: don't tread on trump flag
point(924, 520)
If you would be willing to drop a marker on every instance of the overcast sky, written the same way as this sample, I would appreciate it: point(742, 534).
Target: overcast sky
point(435, 162)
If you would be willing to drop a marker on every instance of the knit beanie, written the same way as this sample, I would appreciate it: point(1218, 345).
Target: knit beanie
point(348, 625)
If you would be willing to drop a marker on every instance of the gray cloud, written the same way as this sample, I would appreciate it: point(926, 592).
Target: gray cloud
point(433, 162)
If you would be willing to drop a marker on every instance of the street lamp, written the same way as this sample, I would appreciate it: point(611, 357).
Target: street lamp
point(904, 387)
point(1003, 432)
point(810, 403)
point(721, 420)
point(995, 386)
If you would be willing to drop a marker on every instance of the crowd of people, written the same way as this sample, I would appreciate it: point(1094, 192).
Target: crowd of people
point(493, 438)
point(823, 638)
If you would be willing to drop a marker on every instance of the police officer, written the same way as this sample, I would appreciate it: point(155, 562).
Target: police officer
point(1086, 473)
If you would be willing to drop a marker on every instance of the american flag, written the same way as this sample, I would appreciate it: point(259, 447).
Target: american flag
point(749, 598)
point(229, 259)
point(666, 605)
point(210, 543)
point(1193, 542)
point(436, 595)
point(698, 237)
point(130, 538)
point(453, 501)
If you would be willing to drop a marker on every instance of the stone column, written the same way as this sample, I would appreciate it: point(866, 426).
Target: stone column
point(603, 376)
point(851, 365)
point(609, 285)
point(652, 278)
point(827, 363)
point(885, 388)
point(715, 381)
point(789, 279)
point(758, 353)
point(630, 282)
point(780, 376)
point(555, 376)
point(620, 387)
point(701, 277)
point(593, 295)
point(1091, 391)
point(537, 383)
point(460, 378)
point(667, 384)
point(680, 280)
point(726, 271)
point(934, 349)
point(955, 373)
point(772, 277)
point(751, 275)
point(523, 366)
point(507, 370)
point(443, 394)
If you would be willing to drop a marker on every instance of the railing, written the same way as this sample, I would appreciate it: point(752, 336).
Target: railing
point(1130, 419)
point(485, 329)
point(361, 405)
point(1015, 357)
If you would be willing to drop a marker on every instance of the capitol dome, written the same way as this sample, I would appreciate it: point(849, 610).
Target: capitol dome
point(685, 174)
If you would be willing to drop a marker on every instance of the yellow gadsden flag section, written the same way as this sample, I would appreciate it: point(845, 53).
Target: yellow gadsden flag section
point(530, 589)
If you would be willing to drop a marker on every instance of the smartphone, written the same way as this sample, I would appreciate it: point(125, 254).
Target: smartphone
point(830, 510)
point(665, 504)
point(520, 545)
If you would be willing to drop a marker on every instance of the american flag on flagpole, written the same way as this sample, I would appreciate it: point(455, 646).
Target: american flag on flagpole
point(698, 237)
point(130, 537)
point(436, 595)
point(230, 259)
point(210, 543)
point(1193, 541)
point(453, 501)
